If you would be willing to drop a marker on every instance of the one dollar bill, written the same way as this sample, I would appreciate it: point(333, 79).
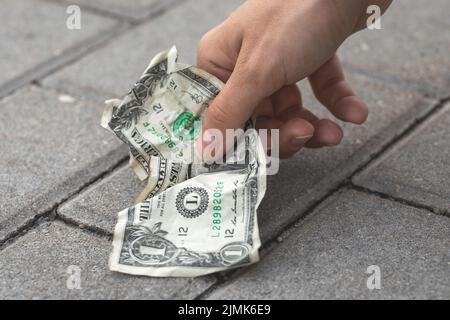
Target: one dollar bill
point(161, 115)
point(192, 218)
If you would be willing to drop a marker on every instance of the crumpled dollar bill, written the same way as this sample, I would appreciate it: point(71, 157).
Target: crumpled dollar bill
point(192, 218)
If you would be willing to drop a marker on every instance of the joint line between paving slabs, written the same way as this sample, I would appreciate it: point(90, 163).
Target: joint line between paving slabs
point(417, 205)
point(51, 214)
point(54, 64)
point(345, 184)
point(96, 11)
point(417, 122)
point(76, 52)
point(94, 180)
point(272, 242)
point(122, 17)
point(87, 228)
point(34, 222)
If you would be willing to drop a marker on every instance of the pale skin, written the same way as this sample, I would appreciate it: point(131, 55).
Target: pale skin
point(264, 48)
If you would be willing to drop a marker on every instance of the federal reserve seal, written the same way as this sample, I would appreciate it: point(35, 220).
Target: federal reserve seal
point(192, 202)
point(186, 126)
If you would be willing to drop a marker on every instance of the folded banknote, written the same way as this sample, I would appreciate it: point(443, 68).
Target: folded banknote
point(192, 218)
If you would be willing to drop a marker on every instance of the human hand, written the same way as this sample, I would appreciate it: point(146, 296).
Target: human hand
point(264, 48)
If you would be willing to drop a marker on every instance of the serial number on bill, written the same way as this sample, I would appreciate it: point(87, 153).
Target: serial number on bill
point(226, 310)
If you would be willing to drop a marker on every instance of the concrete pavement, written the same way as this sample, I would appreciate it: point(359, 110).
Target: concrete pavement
point(382, 198)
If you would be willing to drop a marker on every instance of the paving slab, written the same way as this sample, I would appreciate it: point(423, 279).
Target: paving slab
point(134, 10)
point(416, 169)
point(109, 72)
point(310, 175)
point(99, 205)
point(34, 34)
point(49, 150)
point(411, 48)
point(28, 273)
point(328, 254)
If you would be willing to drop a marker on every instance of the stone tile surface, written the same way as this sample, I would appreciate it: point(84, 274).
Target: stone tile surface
point(44, 263)
point(327, 255)
point(49, 149)
point(135, 10)
point(311, 174)
point(411, 48)
point(110, 71)
point(44, 36)
point(418, 168)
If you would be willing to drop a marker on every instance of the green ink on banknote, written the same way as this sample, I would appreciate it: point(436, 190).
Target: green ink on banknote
point(186, 126)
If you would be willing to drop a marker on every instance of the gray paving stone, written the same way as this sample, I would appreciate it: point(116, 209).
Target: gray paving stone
point(418, 168)
point(36, 267)
point(311, 174)
point(109, 72)
point(135, 10)
point(411, 48)
point(34, 33)
point(49, 150)
point(98, 206)
point(327, 255)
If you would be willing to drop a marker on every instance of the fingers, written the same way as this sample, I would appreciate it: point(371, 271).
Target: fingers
point(218, 54)
point(326, 134)
point(287, 104)
point(334, 92)
point(218, 50)
point(265, 109)
point(248, 87)
point(234, 106)
point(293, 134)
point(294, 131)
point(269, 123)
point(294, 121)
point(221, 53)
point(286, 98)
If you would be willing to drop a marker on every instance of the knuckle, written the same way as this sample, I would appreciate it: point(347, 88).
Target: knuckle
point(208, 42)
point(204, 48)
point(250, 71)
point(202, 44)
point(261, 70)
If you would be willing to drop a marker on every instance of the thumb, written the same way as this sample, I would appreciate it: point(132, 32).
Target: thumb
point(231, 109)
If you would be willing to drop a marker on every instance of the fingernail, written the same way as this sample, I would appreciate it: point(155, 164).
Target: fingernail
point(300, 141)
